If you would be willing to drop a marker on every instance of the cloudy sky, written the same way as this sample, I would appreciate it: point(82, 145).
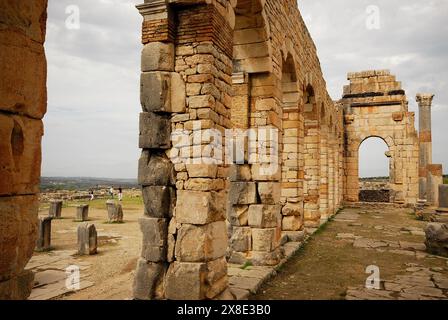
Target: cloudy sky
point(91, 127)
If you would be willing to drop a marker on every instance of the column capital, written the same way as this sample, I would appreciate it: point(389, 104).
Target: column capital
point(424, 99)
point(153, 9)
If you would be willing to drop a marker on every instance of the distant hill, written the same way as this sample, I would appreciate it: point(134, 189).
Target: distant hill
point(84, 183)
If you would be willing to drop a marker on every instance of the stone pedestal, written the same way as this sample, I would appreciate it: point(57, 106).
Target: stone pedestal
point(114, 212)
point(87, 239)
point(44, 234)
point(55, 210)
point(443, 198)
point(82, 212)
point(433, 180)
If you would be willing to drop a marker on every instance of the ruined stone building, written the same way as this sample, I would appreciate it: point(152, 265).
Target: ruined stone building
point(209, 66)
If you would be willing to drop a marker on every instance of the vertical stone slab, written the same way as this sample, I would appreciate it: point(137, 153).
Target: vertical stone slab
point(55, 210)
point(114, 212)
point(44, 234)
point(87, 239)
point(82, 212)
point(443, 198)
point(434, 178)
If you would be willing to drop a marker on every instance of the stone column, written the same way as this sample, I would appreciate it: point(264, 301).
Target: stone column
point(425, 138)
point(44, 234)
point(185, 86)
point(23, 102)
point(434, 179)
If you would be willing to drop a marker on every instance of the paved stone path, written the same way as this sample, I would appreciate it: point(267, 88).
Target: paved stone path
point(333, 263)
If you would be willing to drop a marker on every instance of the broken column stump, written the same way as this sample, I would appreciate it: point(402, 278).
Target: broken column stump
point(437, 239)
point(87, 239)
point(114, 212)
point(82, 212)
point(55, 209)
point(44, 234)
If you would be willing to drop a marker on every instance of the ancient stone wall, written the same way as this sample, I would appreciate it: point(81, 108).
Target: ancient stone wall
point(375, 105)
point(208, 66)
point(23, 102)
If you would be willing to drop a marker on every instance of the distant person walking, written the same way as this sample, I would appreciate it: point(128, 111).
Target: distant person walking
point(120, 194)
point(111, 192)
point(92, 196)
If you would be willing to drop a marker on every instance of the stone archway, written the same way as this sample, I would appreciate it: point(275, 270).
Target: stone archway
point(376, 105)
point(377, 191)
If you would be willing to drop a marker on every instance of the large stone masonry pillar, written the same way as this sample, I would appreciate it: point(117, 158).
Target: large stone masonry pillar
point(425, 139)
point(185, 96)
point(433, 181)
point(23, 103)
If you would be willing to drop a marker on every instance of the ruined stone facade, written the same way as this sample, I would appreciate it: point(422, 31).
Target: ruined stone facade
point(242, 147)
point(375, 105)
point(23, 102)
point(208, 66)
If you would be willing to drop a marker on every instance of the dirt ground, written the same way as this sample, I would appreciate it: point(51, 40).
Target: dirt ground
point(111, 270)
point(329, 263)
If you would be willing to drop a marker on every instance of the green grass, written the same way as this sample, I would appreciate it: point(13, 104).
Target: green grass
point(101, 203)
point(445, 180)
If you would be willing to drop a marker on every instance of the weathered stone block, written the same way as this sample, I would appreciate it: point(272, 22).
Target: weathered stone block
point(114, 212)
point(238, 215)
point(443, 198)
point(437, 239)
point(293, 209)
point(199, 208)
point(264, 216)
point(243, 193)
point(159, 201)
point(292, 223)
point(158, 56)
point(294, 236)
point(87, 239)
point(196, 281)
point(155, 169)
point(44, 234)
point(267, 258)
point(55, 210)
point(202, 170)
point(240, 173)
point(265, 240)
point(23, 63)
point(82, 212)
point(149, 280)
point(241, 239)
point(269, 192)
point(186, 281)
point(20, 150)
point(155, 91)
point(18, 233)
point(201, 243)
point(155, 237)
point(155, 131)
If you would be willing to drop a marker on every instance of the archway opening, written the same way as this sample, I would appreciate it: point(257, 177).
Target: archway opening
point(374, 170)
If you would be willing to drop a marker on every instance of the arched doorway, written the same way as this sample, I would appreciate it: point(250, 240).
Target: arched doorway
point(374, 170)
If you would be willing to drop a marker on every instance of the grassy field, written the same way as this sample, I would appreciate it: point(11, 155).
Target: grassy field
point(128, 201)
